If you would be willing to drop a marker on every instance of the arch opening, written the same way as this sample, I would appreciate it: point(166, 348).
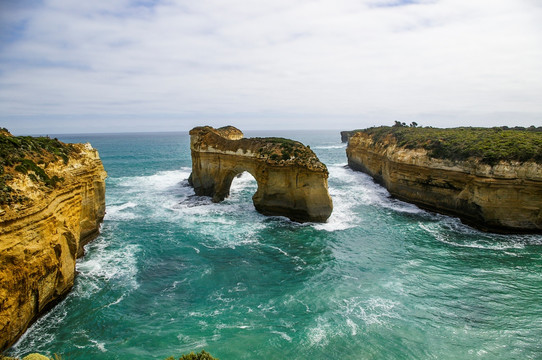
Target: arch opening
point(243, 187)
point(237, 185)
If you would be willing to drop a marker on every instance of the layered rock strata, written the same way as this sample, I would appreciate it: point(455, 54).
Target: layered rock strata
point(505, 197)
point(41, 237)
point(292, 182)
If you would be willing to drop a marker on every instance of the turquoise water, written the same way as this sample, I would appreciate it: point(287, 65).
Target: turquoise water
point(172, 273)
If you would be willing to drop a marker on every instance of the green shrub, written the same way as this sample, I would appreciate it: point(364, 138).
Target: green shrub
point(203, 355)
point(278, 140)
point(28, 165)
point(20, 152)
point(490, 145)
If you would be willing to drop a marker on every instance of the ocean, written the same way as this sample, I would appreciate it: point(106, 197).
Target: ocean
point(173, 273)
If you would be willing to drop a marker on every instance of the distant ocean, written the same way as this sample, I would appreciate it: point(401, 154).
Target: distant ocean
point(173, 273)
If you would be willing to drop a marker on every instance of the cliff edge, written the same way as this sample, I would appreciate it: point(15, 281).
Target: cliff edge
point(52, 201)
point(292, 182)
point(489, 178)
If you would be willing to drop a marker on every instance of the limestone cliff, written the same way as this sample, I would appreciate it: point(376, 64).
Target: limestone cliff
point(292, 182)
point(502, 197)
point(49, 209)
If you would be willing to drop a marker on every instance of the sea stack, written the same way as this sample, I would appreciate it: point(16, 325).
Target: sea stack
point(52, 201)
point(489, 178)
point(292, 181)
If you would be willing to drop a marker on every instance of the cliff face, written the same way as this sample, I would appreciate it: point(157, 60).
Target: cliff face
point(292, 182)
point(346, 135)
point(41, 237)
point(505, 197)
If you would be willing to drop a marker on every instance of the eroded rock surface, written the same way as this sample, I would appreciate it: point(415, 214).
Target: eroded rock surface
point(505, 197)
point(41, 237)
point(292, 182)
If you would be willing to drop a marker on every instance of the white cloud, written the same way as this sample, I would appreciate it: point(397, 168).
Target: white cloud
point(441, 62)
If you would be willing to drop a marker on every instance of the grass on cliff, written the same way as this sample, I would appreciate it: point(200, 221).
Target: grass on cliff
point(490, 145)
point(287, 149)
point(276, 150)
point(28, 155)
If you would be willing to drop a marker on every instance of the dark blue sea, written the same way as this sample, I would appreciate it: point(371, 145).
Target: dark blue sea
point(172, 273)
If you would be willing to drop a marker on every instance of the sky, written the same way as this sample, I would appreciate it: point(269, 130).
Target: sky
point(163, 65)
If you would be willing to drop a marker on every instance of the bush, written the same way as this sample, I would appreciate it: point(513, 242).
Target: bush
point(21, 153)
point(203, 355)
point(489, 145)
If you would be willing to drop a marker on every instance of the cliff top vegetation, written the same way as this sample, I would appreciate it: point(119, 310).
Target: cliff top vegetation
point(28, 155)
point(489, 145)
point(274, 150)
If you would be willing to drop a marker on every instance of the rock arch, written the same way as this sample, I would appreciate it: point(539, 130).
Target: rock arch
point(292, 182)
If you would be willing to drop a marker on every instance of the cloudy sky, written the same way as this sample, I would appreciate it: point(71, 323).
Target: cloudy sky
point(155, 65)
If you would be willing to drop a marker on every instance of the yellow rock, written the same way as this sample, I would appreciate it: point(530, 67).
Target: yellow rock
point(35, 357)
point(292, 182)
point(506, 197)
point(40, 242)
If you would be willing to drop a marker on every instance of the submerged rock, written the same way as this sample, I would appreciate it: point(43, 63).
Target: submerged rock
point(292, 182)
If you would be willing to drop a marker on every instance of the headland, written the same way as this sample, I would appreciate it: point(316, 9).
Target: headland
point(52, 201)
point(489, 178)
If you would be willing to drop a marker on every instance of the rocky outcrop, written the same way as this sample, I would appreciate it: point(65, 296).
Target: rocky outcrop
point(504, 197)
point(292, 182)
point(346, 135)
point(41, 237)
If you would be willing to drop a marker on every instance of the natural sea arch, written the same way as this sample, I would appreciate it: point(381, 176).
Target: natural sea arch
point(292, 182)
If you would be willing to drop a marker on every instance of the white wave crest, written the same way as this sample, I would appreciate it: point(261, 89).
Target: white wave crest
point(373, 311)
point(162, 180)
point(283, 335)
point(343, 190)
point(320, 334)
point(37, 337)
point(340, 146)
point(99, 345)
point(348, 189)
point(105, 264)
point(452, 232)
point(116, 212)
